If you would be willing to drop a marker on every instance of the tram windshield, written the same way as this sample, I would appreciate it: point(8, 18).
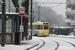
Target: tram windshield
point(46, 26)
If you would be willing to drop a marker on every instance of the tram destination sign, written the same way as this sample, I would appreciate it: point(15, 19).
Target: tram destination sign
point(21, 11)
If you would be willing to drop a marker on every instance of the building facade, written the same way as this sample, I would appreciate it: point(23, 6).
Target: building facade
point(70, 14)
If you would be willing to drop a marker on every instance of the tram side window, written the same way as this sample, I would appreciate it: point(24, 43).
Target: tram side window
point(45, 26)
point(37, 26)
point(0, 26)
point(41, 27)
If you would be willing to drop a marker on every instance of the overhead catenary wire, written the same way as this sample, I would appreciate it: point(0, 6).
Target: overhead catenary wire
point(58, 3)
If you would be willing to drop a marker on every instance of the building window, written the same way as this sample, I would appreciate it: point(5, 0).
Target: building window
point(67, 24)
point(68, 6)
point(72, 17)
point(69, 1)
point(69, 16)
point(73, 8)
point(74, 1)
point(0, 3)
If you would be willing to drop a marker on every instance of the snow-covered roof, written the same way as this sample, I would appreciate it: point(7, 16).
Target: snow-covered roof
point(59, 27)
point(40, 22)
point(13, 13)
point(10, 13)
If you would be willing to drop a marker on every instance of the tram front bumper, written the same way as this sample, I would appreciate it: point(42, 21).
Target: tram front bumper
point(43, 34)
point(46, 34)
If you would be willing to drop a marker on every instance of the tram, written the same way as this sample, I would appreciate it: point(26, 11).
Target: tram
point(39, 28)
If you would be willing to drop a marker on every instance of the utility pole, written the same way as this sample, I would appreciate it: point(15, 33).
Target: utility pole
point(3, 24)
point(16, 6)
point(31, 18)
point(38, 13)
point(9, 5)
point(17, 20)
point(59, 28)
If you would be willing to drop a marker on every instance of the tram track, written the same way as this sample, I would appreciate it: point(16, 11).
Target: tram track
point(32, 46)
point(52, 40)
point(57, 44)
point(57, 41)
point(63, 41)
point(36, 45)
point(69, 43)
point(41, 45)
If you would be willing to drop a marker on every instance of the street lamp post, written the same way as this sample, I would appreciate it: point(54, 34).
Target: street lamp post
point(3, 24)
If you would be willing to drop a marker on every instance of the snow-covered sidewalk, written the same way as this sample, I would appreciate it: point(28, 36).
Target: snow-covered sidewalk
point(26, 44)
point(64, 36)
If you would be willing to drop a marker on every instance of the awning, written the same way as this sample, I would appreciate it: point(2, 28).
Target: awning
point(13, 13)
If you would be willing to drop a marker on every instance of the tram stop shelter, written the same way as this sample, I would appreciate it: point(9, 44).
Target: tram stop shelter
point(13, 23)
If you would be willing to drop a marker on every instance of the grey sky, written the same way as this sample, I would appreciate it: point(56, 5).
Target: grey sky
point(59, 8)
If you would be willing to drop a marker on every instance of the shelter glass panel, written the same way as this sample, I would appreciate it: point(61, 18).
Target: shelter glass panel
point(73, 7)
point(0, 26)
point(8, 25)
point(72, 17)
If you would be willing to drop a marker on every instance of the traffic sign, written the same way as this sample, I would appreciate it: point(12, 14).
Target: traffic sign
point(21, 28)
point(21, 11)
point(53, 23)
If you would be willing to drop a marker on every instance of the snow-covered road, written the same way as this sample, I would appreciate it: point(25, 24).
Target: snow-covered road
point(63, 43)
point(44, 43)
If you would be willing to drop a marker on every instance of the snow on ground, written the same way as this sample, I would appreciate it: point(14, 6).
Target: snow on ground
point(61, 39)
point(63, 45)
point(26, 45)
point(67, 36)
point(49, 43)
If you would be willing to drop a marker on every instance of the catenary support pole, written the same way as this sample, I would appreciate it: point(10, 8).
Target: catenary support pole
point(39, 13)
point(17, 20)
point(31, 18)
point(3, 24)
